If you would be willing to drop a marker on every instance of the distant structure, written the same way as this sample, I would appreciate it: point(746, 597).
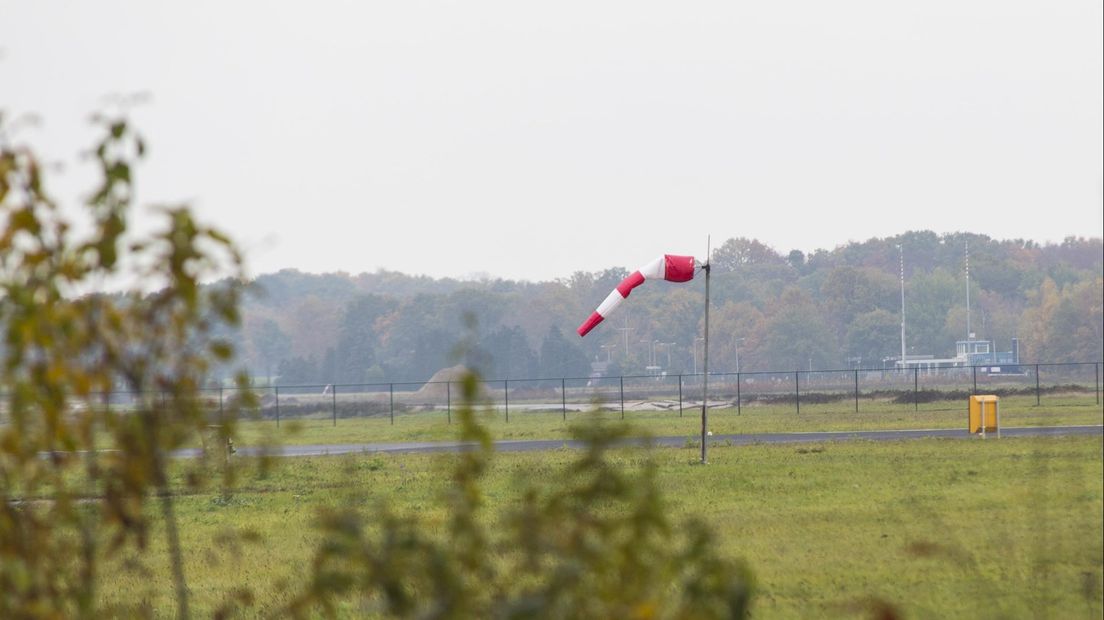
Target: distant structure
point(971, 352)
point(598, 369)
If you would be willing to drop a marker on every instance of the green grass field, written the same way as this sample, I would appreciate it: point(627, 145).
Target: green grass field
point(435, 426)
point(936, 528)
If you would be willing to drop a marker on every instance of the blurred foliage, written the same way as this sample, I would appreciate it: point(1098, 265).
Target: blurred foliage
point(75, 470)
point(592, 541)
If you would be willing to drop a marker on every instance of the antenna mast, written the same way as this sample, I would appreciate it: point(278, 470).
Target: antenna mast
point(969, 335)
point(901, 251)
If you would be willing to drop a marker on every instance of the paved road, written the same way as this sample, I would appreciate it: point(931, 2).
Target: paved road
point(760, 438)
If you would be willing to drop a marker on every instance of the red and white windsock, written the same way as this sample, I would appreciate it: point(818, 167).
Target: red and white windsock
point(667, 267)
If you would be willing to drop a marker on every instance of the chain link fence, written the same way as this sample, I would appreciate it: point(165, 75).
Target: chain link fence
point(798, 392)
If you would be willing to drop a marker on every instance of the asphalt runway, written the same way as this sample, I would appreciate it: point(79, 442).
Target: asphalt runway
point(679, 441)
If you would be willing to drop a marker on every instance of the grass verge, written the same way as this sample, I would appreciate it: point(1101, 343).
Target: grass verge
point(935, 528)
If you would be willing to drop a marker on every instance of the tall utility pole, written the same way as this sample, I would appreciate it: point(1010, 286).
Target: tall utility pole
point(625, 334)
point(901, 251)
point(969, 336)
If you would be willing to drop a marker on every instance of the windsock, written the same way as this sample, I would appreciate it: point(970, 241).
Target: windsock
point(667, 267)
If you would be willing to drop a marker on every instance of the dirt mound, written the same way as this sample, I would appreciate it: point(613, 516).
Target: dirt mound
point(436, 388)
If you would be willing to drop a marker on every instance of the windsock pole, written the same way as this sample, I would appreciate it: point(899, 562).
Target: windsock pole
point(705, 360)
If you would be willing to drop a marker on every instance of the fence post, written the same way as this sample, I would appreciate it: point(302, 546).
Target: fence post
point(916, 388)
point(391, 392)
point(506, 394)
point(738, 403)
point(277, 406)
point(680, 396)
point(856, 390)
point(797, 390)
point(333, 403)
point(622, 397)
point(975, 379)
point(563, 397)
point(1037, 396)
point(1096, 369)
point(448, 400)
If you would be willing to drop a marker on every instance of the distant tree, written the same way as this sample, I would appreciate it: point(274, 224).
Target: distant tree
point(794, 336)
point(928, 299)
point(849, 291)
point(736, 331)
point(270, 343)
point(873, 336)
point(511, 357)
point(327, 369)
point(796, 259)
point(313, 323)
point(1065, 325)
point(741, 252)
point(357, 339)
point(299, 371)
point(561, 358)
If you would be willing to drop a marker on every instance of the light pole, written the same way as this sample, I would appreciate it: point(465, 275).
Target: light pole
point(667, 346)
point(650, 350)
point(608, 348)
point(625, 335)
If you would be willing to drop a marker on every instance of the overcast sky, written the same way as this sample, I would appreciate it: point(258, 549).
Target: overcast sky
point(528, 140)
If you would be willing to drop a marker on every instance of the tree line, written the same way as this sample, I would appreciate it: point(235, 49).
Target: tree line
point(829, 309)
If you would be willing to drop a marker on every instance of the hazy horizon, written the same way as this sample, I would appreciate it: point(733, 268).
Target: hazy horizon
point(481, 276)
point(530, 142)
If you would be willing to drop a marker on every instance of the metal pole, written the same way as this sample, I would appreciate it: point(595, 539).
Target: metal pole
point(622, 397)
point(738, 404)
point(448, 400)
point(506, 395)
point(975, 379)
point(391, 392)
point(982, 412)
point(969, 336)
point(277, 406)
point(680, 396)
point(797, 391)
point(1037, 395)
point(705, 366)
point(1096, 368)
point(904, 363)
point(856, 391)
point(916, 388)
point(563, 397)
point(333, 400)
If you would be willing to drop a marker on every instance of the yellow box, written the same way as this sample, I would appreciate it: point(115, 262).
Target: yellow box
point(989, 405)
